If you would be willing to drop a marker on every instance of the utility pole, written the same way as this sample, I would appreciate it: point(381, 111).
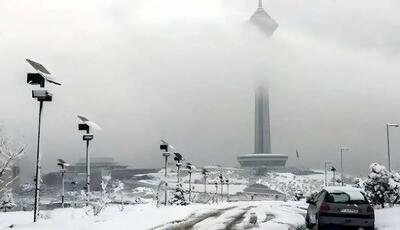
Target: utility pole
point(86, 125)
point(190, 167)
point(326, 173)
point(40, 78)
point(333, 169)
point(227, 188)
point(178, 158)
point(62, 164)
point(216, 191)
point(165, 146)
point(341, 163)
point(205, 172)
point(221, 180)
point(388, 143)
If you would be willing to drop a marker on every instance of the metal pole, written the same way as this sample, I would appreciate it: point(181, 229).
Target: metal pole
point(334, 177)
point(177, 173)
point(341, 166)
point(216, 192)
point(326, 178)
point(166, 174)
point(222, 191)
point(388, 147)
point(227, 188)
point(37, 183)
point(190, 185)
point(62, 186)
point(166, 166)
point(87, 172)
point(205, 183)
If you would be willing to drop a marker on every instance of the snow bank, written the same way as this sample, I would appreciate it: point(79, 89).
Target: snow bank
point(387, 219)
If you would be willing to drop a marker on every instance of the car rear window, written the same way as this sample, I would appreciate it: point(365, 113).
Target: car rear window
point(346, 198)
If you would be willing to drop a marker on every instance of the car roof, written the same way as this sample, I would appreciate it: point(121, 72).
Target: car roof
point(353, 193)
point(339, 189)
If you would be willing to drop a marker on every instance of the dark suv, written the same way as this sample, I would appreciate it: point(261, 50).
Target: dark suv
point(340, 208)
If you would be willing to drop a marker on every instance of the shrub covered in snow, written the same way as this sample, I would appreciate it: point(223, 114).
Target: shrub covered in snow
point(359, 183)
point(382, 186)
point(118, 193)
point(7, 200)
point(178, 197)
point(97, 204)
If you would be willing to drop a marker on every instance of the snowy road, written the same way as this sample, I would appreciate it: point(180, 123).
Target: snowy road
point(248, 215)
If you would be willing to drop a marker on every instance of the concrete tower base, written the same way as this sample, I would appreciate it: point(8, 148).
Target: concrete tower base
point(262, 160)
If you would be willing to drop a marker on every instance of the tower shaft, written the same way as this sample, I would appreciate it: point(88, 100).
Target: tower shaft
point(262, 142)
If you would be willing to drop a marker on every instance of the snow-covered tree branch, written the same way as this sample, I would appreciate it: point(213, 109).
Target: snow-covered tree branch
point(9, 156)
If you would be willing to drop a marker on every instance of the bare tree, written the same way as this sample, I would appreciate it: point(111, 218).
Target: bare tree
point(9, 156)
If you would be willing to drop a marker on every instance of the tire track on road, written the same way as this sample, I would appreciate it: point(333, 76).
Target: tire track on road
point(187, 224)
point(238, 219)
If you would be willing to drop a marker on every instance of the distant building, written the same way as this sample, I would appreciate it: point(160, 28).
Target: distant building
point(75, 176)
point(105, 165)
point(261, 189)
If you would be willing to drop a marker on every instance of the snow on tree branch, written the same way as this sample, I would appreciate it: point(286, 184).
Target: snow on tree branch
point(9, 156)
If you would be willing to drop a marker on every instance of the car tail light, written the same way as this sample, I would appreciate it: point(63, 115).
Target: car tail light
point(370, 210)
point(324, 207)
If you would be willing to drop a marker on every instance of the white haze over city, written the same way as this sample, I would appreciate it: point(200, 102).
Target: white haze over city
point(185, 71)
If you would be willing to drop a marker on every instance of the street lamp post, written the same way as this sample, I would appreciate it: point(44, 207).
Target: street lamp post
point(216, 191)
point(165, 146)
point(62, 164)
point(73, 183)
point(227, 189)
point(178, 158)
point(190, 167)
point(205, 172)
point(333, 169)
point(326, 173)
point(341, 163)
point(221, 180)
point(86, 125)
point(40, 78)
point(388, 143)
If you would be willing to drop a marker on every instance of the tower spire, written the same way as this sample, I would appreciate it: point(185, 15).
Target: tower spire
point(260, 4)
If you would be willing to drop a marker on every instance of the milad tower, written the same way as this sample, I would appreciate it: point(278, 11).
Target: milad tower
point(262, 156)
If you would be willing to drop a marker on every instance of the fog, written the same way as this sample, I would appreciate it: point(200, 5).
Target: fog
point(185, 71)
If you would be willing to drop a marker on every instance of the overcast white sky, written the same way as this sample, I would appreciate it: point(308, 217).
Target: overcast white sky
point(185, 71)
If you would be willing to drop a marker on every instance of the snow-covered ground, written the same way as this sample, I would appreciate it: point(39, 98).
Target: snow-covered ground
point(387, 219)
point(271, 215)
point(260, 214)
